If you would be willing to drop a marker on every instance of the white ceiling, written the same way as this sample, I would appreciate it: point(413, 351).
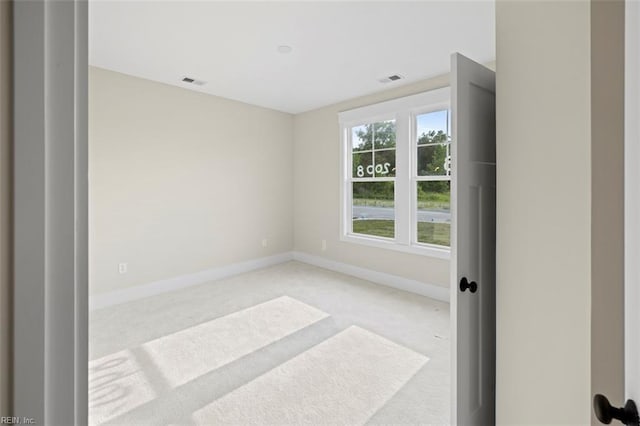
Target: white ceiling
point(340, 49)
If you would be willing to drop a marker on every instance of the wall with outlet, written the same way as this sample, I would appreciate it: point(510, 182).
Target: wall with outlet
point(182, 182)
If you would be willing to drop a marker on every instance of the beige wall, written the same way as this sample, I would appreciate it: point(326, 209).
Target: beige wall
point(544, 205)
point(6, 155)
point(171, 169)
point(181, 181)
point(317, 193)
point(607, 207)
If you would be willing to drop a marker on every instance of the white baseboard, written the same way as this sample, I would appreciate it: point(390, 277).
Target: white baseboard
point(163, 286)
point(412, 286)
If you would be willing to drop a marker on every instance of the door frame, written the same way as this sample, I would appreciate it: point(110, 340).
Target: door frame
point(31, 299)
point(51, 213)
point(632, 196)
point(50, 323)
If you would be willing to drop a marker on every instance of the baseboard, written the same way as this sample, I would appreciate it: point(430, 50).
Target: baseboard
point(412, 286)
point(163, 286)
point(176, 283)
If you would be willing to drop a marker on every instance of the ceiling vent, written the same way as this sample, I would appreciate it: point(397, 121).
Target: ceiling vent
point(193, 81)
point(391, 78)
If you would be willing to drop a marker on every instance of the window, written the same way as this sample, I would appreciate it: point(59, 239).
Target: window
point(396, 174)
point(373, 164)
point(432, 178)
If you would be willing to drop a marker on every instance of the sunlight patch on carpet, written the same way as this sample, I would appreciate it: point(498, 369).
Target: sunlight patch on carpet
point(343, 380)
point(190, 353)
point(117, 384)
point(124, 380)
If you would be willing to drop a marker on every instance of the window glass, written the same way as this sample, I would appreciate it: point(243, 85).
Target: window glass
point(361, 139)
point(373, 150)
point(432, 127)
point(362, 164)
point(373, 209)
point(433, 212)
point(397, 153)
point(385, 163)
point(433, 186)
point(433, 160)
point(384, 134)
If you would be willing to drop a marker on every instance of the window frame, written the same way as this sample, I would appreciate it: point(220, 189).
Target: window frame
point(404, 111)
point(415, 178)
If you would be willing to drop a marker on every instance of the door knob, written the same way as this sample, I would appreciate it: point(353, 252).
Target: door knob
point(628, 414)
point(465, 284)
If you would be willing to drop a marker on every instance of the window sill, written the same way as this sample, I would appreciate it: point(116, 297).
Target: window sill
point(429, 251)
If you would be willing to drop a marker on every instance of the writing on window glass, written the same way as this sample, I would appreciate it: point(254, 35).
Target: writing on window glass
point(380, 169)
point(373, 148)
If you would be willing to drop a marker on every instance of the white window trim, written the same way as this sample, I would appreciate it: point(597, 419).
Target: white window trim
point(404, 111)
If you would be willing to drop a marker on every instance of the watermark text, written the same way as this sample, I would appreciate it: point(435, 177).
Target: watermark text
point(16, 420)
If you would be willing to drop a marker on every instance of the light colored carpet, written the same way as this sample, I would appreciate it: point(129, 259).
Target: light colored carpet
point(341, 381)
point(118, 383)
point(290, 344)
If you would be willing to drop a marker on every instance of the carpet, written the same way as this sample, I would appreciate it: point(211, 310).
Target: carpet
point(126, 379)
point(342, 381)
point(180, 357)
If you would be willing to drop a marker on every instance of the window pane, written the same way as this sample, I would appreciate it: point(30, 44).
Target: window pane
point(362, 165)
point(434, 160)
point(432, 127)
point(384, 134)
point(361, 137)
point(373, 209)
point(385, 165)
point(434, 212)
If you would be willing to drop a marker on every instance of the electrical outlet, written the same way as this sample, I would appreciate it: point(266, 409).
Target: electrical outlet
point(324, 245)
point(122, 268)
point(264, 242)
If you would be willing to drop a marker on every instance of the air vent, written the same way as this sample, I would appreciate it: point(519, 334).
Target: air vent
point(390, 78)
point(193, 81)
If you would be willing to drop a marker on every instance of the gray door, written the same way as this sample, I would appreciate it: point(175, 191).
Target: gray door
point(632, 203)
point(473, 241)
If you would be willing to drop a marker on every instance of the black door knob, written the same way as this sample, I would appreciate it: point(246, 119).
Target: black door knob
point(465, 284)
point(628, 414)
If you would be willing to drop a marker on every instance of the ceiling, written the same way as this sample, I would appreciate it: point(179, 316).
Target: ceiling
point(339, 49)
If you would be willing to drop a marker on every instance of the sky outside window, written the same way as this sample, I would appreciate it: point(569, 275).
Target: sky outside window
point(437, 120)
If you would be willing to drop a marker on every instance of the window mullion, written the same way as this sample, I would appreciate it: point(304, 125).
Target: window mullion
point(413, 159)
point(403, 179)
point(346, 153)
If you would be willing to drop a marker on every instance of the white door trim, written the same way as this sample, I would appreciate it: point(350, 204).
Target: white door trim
point(50, 211)
point(632, 199)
